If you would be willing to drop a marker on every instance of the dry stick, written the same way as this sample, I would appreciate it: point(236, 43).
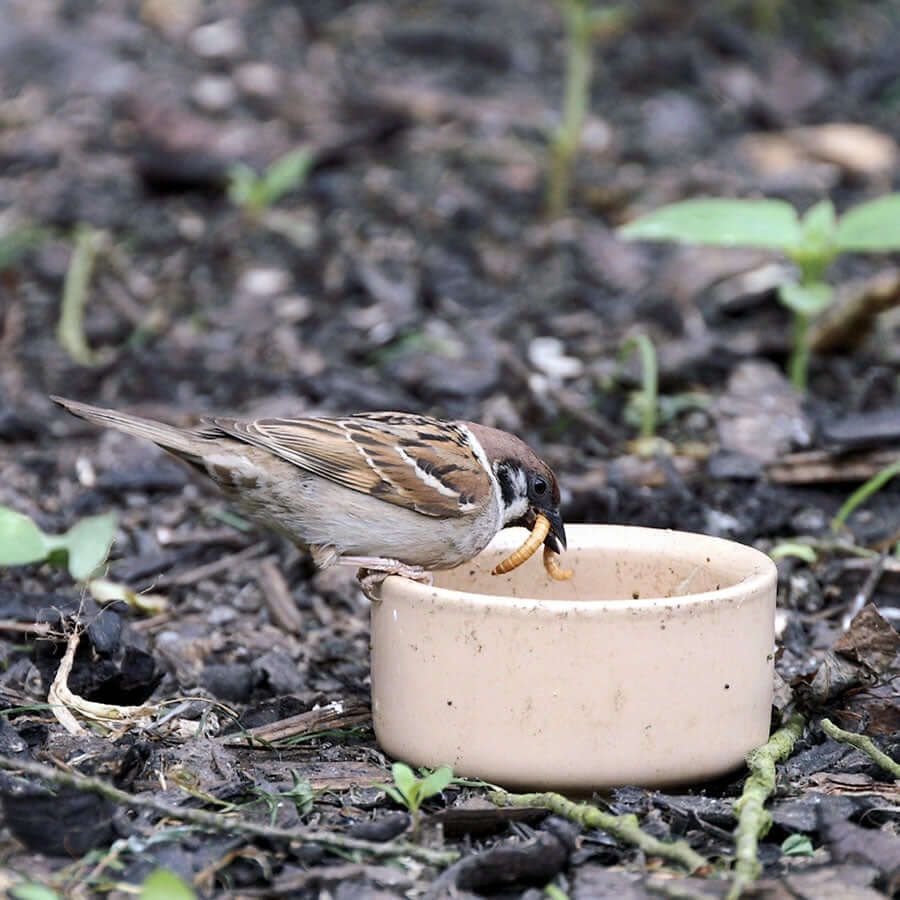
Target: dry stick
point(864, 743)
point(625, 828)
point(867, 591)
point(753, 820)
point(192, 576)
point(218, 822)
point(339, 714)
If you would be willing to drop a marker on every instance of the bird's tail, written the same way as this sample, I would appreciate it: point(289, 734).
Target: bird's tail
point(179, 441)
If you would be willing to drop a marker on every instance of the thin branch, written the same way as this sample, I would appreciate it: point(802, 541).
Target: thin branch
point(624, 828)
point(864, 743)
point(228, 825)
point(753, 820)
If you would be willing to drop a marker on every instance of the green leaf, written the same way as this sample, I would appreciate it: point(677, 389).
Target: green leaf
point(436, 782)
point(817, 230)
point(795, 549)
point(21, 541)
point(797, 845)
point(14, 244)
point(403, 778)
point(871, 226)
point(286, 173)
point(88, 543)
point(394, 794)
point(819, 219)
point(241, 183)
point(32, 891)
point(806, 300)
point(721, 223)
point(161, 884)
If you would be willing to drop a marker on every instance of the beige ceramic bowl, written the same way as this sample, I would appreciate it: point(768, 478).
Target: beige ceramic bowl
point(652, 666)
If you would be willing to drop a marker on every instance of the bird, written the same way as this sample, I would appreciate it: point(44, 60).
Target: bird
point(391, 493)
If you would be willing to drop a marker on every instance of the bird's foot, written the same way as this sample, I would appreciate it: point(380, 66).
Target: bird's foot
point(374, 569)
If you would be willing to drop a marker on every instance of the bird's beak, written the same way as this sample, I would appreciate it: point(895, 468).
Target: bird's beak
point(556, 540)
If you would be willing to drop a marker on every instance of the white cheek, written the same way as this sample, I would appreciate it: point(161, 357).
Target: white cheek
point(516, 510)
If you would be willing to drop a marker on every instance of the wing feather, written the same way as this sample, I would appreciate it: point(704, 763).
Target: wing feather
point(416, 462)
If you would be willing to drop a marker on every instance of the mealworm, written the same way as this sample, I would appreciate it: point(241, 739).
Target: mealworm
point(527, 550)
point(551, 564)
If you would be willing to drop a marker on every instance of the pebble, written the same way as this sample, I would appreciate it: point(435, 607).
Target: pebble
point(548, 355)
point(674, 122)
point(265, 282)
point(258, 79)
point(214, 93)
point(218, 40)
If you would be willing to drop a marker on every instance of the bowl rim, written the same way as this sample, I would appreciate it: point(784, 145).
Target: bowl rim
point(760, 573)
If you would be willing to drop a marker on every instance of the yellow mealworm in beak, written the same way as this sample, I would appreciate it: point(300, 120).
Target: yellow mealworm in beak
point(527, 550)
point(551, 564)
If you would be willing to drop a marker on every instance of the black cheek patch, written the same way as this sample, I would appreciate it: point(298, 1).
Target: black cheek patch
point(506, 481)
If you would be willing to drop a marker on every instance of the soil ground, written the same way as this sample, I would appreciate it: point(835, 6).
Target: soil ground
point(415, 269)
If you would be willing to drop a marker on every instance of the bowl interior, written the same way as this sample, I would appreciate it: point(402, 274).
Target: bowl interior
point(613, 565)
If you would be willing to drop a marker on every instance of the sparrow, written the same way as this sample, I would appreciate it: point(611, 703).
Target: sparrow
point(387, 492)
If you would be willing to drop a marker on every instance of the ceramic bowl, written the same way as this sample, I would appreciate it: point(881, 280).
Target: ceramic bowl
point(653, 665)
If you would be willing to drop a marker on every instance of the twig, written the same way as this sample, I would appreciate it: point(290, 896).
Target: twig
point(39, 628)
point(625, 828)
point(282, 609)
point(63, 701)
point(864, 594)
point(333, 716)
point(228, 825)
point(192, 576)
point(753, 820)
point(864, 743)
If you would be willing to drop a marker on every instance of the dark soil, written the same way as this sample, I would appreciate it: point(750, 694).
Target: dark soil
point(414, 269)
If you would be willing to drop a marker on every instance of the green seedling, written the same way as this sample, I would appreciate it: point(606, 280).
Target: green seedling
point(797, 845)
point(70, 330)
point(161, 884)
point(585, 23)
point(82, 549)
point(812, 242)
point(254, 193)
point(645, 401)
point(15, 242)
point(412, 792)
point(863, 492)
point(795, 550)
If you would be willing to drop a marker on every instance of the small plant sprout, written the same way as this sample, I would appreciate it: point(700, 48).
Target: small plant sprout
point(585, 23)
point(161, 884)
point(646, 400)
point(255, 193)
point(70, 330)
point(811, 242)
point(863, 492)
point(82, 549)
point(16, 239)
point(412, 792)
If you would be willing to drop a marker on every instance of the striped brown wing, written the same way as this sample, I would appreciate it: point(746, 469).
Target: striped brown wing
point(412, 461)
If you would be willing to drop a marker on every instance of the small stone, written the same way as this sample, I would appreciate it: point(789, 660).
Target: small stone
point(258, 79)
point(218, 40)
point(293, 309)
point(214, 93)
point(547, 354)
point(264, 282)
point(674, 122)
point(221, 615)
point(191, 227)
point(173, 18)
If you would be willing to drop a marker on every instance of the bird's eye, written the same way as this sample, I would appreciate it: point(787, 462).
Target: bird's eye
point(539, 486)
